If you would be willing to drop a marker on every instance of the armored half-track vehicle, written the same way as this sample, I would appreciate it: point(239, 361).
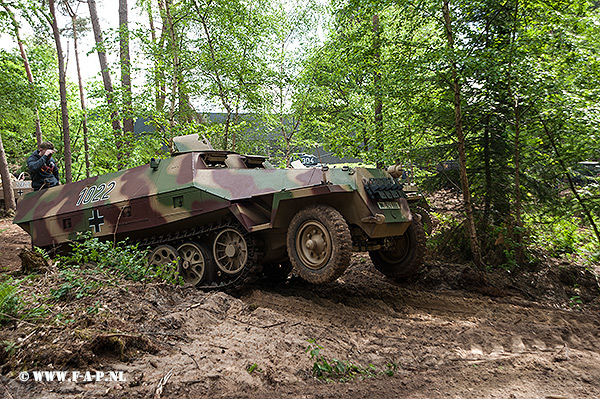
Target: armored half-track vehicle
point(223, 217)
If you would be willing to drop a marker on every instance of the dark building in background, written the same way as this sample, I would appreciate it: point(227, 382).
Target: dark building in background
point(261, 132)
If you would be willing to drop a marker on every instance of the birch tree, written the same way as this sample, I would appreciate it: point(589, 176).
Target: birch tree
point(458, 125)
point(63, 92)
point(86, 148)
point(9, 195)
point(107, 80)
point(125, 70)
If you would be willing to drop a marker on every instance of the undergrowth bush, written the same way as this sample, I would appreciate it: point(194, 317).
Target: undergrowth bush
point(563, 236)
point(449, 241)
point(498, 246)
point(12, 305)
point(10, 302)
point(92, 263)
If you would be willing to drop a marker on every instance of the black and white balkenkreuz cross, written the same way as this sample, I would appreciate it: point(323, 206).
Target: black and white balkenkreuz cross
point(20, 192)
point(96, 220)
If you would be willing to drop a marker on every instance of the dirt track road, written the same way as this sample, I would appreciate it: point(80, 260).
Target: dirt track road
point(445, 344)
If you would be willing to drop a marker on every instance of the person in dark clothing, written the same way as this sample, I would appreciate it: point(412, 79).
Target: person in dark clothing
point(42, 168)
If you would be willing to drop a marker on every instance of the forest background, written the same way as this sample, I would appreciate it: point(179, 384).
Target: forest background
point(510, 90)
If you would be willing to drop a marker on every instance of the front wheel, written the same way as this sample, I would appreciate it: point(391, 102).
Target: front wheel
point(319, 244)
point(426, 218)
point(401, 256)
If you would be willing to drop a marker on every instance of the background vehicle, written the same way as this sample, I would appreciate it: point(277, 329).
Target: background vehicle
point(21, 185)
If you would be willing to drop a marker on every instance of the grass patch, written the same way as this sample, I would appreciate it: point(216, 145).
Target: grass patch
point(341, 370)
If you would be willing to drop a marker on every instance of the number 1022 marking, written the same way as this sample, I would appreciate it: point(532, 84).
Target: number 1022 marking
point(95, 193)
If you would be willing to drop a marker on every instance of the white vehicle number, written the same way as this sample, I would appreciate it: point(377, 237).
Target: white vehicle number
point(95, 193)
point(22, 184)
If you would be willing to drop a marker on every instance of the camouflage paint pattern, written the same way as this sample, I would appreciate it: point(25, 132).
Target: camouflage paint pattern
point(198, 185)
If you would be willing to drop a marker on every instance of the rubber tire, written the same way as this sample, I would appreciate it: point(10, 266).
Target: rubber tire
point(341, 244)
point(412, 261)
point(426, 218)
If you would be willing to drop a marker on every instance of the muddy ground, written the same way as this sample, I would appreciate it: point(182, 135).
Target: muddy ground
point(451, 333)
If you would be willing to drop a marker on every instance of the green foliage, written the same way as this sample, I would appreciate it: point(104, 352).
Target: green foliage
point(42, 252)
point(390, 369)
point(77, 284)
point(339, 370)
point(449, 240)
point(16, 106)
point(575, 302)
point(376, 53)
point(9, 348)
point(564, 236)
point(252, 368)
point(121, 258)
point(92, 310)
point(92, 264)
point(519, 63)
point(503, 245)
point(12, 305)
point(10, 301)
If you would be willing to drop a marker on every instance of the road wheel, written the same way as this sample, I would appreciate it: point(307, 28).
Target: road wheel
point(319, 244)
point(193, 262)
point(402, 256)
point(230, 251)
point(164, 255)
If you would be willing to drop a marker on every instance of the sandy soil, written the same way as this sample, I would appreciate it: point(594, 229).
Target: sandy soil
point(450, 334)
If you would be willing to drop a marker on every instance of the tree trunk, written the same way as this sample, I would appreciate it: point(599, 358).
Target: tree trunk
point(108, 87)
point(62, 81)
point(487, 147)
point(38, 127)
point(125, 70)
point(159, 78)
point(462, 156)
point(9, 194)
point(236, 118)
point(165, 8)
point(81, 94)
point(487, 167)
point(378, 107)
point(517, 233)
point(179, 91)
